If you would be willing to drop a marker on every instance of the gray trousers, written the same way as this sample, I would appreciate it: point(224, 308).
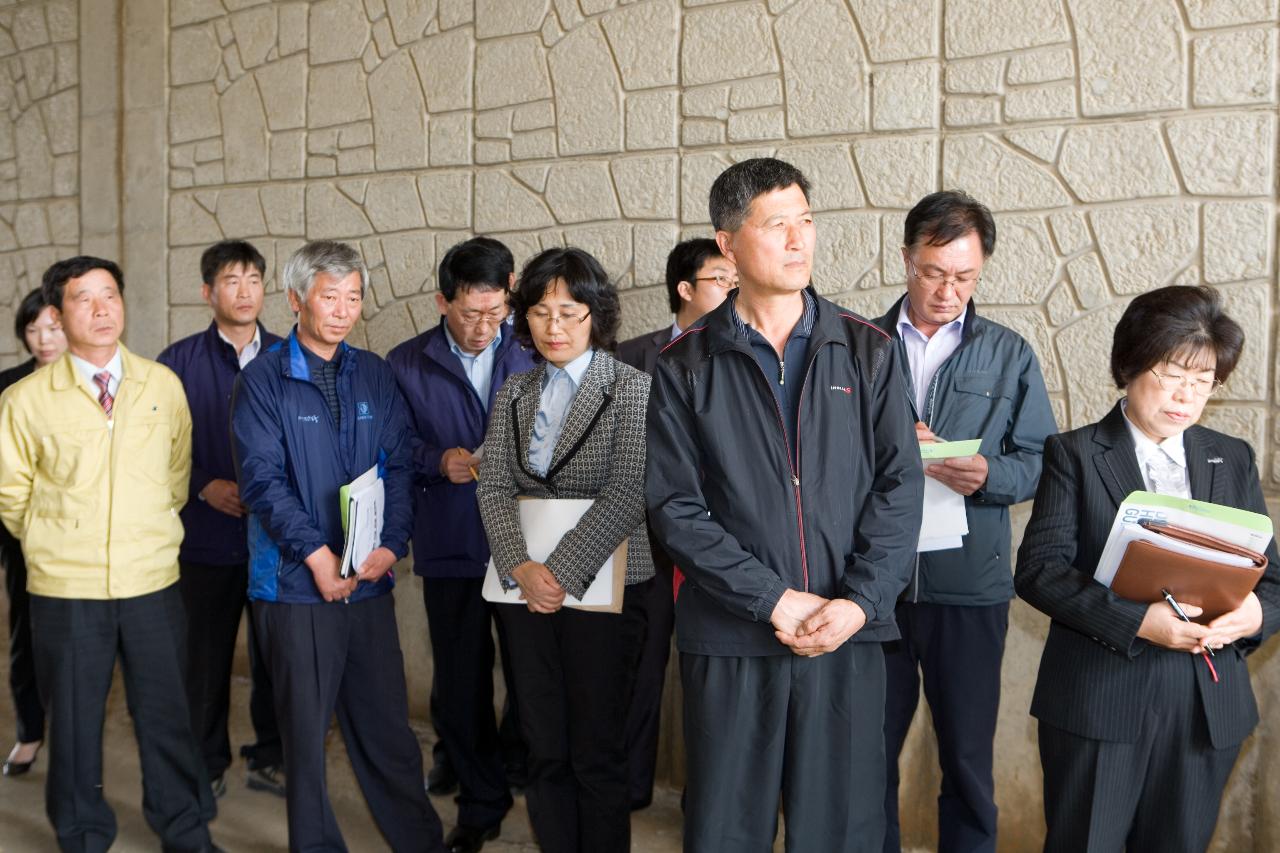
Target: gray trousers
point(808, 730)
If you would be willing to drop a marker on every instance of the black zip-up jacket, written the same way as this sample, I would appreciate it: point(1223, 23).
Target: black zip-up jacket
point(744, 524)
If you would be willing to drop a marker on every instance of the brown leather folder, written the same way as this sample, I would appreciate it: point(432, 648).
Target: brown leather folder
point(1146, 568)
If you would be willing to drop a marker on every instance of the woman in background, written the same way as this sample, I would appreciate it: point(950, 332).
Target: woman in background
point(1138, 733)
point(40, 331)
point(573, 427)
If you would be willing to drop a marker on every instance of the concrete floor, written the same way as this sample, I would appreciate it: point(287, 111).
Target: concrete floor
point(250, 821)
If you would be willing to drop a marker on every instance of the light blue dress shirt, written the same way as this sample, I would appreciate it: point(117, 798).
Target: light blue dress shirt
point(926, 354)
point(559, 387)
point(478, 368)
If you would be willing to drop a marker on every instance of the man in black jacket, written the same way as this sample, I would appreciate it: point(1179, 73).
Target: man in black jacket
point(784, 478)
point(966, 377)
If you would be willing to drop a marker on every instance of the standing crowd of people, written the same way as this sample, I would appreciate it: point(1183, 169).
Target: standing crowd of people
point(752, 472)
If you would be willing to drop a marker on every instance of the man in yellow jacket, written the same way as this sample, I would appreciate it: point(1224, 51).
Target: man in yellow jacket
point(95, 453)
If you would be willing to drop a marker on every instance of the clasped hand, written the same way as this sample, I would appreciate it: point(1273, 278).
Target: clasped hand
point(811, 625)
point(1162, 627)
point(539, 588)
point(326, 565)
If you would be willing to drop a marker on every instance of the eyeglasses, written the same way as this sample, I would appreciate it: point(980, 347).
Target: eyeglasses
point(546, 319)
point(723, 281)
point(937, 279)
point(1175, 382)
point(473, 319)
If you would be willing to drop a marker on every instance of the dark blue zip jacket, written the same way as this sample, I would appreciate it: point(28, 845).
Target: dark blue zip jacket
point(448, 536)
point(292, 460)
point(208, 367)
point(990, 388)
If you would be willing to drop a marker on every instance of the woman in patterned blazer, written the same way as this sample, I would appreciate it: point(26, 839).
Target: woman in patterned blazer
point(573, 427)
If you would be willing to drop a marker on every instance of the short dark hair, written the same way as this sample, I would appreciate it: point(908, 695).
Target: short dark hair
point(683, 264)
point(481, 262)
point(1171, 323)
point(941, 217)
point(28, 311)
point(229, 253)
point(740, 184)
point(587, 282)
point(56, 277)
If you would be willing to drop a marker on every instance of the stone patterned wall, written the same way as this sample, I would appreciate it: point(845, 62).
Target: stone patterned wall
point(1123, 146)
point(39, 149)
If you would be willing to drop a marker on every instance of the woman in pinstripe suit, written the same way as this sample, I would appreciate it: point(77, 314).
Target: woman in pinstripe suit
point(573, 427)
point(1137, 737)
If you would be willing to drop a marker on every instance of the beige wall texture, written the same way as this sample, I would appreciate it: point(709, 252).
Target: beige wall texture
point(1122, 145)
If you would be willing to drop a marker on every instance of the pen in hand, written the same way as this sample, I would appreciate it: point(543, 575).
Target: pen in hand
point(1177, 608)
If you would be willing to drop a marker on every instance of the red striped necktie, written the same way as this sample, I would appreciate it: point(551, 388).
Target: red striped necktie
point(104, 396)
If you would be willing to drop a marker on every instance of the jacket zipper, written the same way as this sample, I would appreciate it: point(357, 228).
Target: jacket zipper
point(791, 466)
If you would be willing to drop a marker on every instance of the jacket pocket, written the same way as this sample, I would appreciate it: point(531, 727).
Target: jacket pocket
point(989, 385)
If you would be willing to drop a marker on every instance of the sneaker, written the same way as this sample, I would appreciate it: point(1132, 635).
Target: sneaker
point(219, 786)
point(269, 778)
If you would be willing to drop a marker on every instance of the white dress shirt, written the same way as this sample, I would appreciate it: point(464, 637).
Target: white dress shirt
point(250, 350)
point(87, 371)
point(926, 354)
point(1163, 465)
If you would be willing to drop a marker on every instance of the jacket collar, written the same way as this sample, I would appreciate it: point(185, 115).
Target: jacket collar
point(722, 327)
point(973, 324)
point(215, 341)
point(1117, 463)
point(295, 366)
point(597, 384)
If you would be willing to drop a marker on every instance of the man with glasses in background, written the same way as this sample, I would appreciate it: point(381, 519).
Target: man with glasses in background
point(967, 378)
point(698, 279)
point(449, 375)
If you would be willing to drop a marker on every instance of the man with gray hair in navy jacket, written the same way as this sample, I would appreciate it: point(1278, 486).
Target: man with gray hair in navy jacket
point(309, 416)
point(214, 558)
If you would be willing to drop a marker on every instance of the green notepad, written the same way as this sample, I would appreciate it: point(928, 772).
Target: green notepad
point(949, 449)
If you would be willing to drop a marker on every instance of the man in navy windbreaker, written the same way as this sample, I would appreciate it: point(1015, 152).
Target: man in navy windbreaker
point(450, 375)
point(214, 557)
point(309, 416)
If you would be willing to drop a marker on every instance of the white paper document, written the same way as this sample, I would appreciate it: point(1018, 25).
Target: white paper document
point(945, 521)
point(544, 522)
point(363, 501)
point(1239, 527)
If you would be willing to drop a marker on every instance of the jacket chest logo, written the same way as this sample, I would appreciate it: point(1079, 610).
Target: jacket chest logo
point(364, 412)
point(309, 419)
point(845, 389)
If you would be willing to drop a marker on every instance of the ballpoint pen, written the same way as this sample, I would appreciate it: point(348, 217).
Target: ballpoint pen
point(1177, 608)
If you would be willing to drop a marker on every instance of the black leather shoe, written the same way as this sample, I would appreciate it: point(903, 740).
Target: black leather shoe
point(469, 839)
point(442, 781)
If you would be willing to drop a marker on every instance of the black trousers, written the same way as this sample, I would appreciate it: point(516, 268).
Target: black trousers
point(957, 652)
point(345, 658)
point(460, 623)
point(573, 671)
point(1161, 792)
point(805, 729)
point(656, 618)
point(77, 643)
point(215, 596)
point(22, 665)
